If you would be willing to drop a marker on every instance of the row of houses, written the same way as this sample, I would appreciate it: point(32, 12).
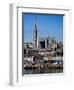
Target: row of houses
point(43, 58)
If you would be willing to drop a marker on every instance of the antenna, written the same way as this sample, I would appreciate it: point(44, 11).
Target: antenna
point(35, 21)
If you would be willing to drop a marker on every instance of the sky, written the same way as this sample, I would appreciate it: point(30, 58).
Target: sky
point(48, 26)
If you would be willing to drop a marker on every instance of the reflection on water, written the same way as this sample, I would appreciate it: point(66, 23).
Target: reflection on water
point(42, 70)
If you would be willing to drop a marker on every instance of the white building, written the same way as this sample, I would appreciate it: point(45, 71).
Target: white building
point(30, 58)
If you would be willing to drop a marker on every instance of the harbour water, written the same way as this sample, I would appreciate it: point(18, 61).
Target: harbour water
point(43, 70)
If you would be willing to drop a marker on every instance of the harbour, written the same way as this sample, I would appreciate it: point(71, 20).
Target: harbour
point(45, 67)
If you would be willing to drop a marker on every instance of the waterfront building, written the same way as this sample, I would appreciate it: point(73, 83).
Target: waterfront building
point(29, 58)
